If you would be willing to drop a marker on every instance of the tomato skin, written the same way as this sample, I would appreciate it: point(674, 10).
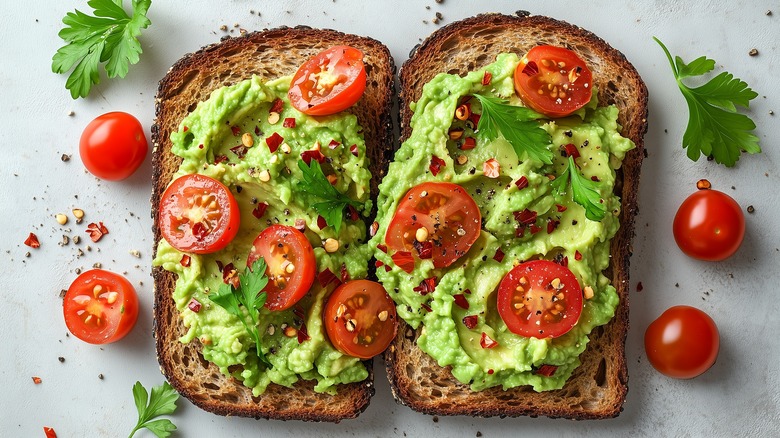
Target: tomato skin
point(100, 307)
point(373, 334)
point(280, 246)
point(113, 146)
point(538, 295)
point(570, 86)
point(339, 86)
point(709, 225)
point(682, 343)
point(187, 220)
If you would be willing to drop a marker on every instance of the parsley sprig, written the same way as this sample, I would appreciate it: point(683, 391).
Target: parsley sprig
point(583, 191)
point(517, 124)
point(332, 204)
point(248, 294)
point(161, 402)
point(110, 37)
point(715, 128)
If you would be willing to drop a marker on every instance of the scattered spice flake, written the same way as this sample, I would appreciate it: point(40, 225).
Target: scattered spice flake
point(259, 211)
point(530, 69)
point(37, 380)
point(404, 260)
point(257, 131)
point(354, 150)
point(321, 222)
point(235, 130)
point(499, 255)
point(277, 106)
point(474, 119)
point(751, 209)
point(333, 144)
point(546, 370)
point(486, 341)
point(535, 228)
point(344, 273)
point(521, 183)
point(486, 78)
point(96, 231)
point(303, 334)
point(577, 255)
point(639, 287)
point(230, 275)
point(32, 241)
point(326, 277)
point(185, 261)
point(382, 247)
point(426, 307)
point(194, 305)
point(240, 151)
point(595, 178)
point(552, 224)
point(315, 154)
point(353, 213)
point(491, 168)
point(300, 225)
point(274, 141)
point(470, 321)
point(426, 286)
point(571, 150)
point(49, 431)
point(468, 144)
point(289, 122)
point(525, 217)
point(222, 158)
point(424, 249)
point(560, 208)
point(436, 165)
point(379, 263)
point(373, 228)
point(461, 301)
point(490, 371)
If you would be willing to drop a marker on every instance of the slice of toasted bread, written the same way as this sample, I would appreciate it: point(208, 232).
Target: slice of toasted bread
point(597, 389)
point(269, 54)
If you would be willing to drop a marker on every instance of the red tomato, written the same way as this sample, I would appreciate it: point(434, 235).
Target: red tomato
point(330, 82)
point(682, 343)
point(553, 81)
point(435, 220)
point(360, 318)
point(113, 146)
point(539, 299)
point(100, 307)
point(709, 225)
point(198, 214)
point(290, 264)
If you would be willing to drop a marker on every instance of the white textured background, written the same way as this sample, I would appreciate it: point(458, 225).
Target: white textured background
point(737, 397)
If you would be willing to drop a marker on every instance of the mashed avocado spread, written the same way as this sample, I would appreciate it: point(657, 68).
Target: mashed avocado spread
point(581, 243)
point(209, 140)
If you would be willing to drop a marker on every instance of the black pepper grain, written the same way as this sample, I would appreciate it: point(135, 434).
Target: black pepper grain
point(751, 209)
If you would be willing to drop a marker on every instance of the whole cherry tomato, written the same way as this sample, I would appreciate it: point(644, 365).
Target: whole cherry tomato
point(682, 343)
point(113, 146)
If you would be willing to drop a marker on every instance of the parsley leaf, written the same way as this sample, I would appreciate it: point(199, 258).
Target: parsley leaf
point(583, 191)
point(715, 128)
point(518, 126)
point(110, 36)
point(248, 294)
point(161, 402)
point(333, 203)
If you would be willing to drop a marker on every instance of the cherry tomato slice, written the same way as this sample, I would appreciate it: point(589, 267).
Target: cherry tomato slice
point(435, 220)
point(360, 318)
point(330, 82)
point(100, 307)
point(198, 214)
point(113, 146)
point(709, 225)
point(290, 264)
point(539, 299)
point(682, 343)
point(553, 81)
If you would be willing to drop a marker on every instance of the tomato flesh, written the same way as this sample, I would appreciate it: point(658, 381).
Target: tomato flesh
point(553, 81)
point(330, 82)
point(113, 146)
point(539, 299)
point(360, 319)
point(198, 214)
point(682, 343)
point(100, 307)
point(290, 265)
point(709, 225)
point(436, 220)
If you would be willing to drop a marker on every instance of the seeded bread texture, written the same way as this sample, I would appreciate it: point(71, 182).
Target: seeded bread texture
point(269, 54)
point(598, 388)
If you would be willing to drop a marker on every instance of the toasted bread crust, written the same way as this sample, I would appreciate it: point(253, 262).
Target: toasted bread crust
point(597, 389)
point(269, 54)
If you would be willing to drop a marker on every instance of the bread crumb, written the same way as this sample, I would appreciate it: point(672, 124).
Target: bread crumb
point(753, 52)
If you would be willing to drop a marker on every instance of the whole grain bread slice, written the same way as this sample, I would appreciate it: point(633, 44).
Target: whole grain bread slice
point(598, 387)
point(269, 54)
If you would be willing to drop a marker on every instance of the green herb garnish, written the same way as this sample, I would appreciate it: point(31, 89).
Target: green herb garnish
point(161, 402)
point(583, 191)
point(715, 128)
point(333, 203)
point(248, 294)
point(517, 124)
point(110, 37)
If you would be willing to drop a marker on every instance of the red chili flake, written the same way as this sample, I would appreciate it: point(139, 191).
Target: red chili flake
point(185, 261)
point(300, 225)
point(257, 131)
point(236, 130)
point(333, 144)
point(468, 143)
point(379, 263)
point(382, 247)
point(194, 305)
point(490, 371)
point(521, 183)
point(571, 150)
point(426, 286)
point(561, 260)
point(240, 151)
point(424, 249)
point(186, 129)
point(639, 287)
point(274, 141)
point(354, 150)
point(535, 228)
point(560, 208)
point(404, 260)
point(315, 154)
point(552, 224)
point(436, 165)
point(525, 217)
point(321, 222)
point(96, 231)
point(499, 255)
point(220, 159)
point(470, 321)
point(577, 255)
point(474, 118)
point(277, 106)
point(303, 334)
point(461, 301)
point(326, 277)
point(32, 241)
point(353, 213)
point(388, 268)
point(373, 228)
point(520, 232)
point(230, 275)
point(595, 178)
point(37, 380)
point(486, 341)
point(259, 211)
point(298, 312)
point(199, 230)
point(50, 433)
point(200, 146)
point(220, 265)
point(530, 69)
point(491, 168)
point(289, 122)
point(426, 307)
point(486, 78)
point(344, 273)
point(546, 370)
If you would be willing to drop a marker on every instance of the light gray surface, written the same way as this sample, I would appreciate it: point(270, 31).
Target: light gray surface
point(737, 397)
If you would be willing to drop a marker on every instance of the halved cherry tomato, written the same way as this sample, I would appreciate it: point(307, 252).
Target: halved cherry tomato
point(682, 343)
point(330, 82)
point(539, 299)
point(360, 318)
point(436, 220)
point(198, 214)
point(113, 146)
point(709, 225)
point(290, 264)
point(100, 307)
point(553, 81)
